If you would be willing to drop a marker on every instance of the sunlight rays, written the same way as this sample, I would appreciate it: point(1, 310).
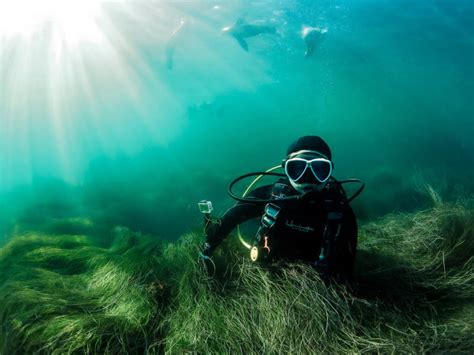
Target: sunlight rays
point(75, 18)
point(64, 65)
point(84, 78)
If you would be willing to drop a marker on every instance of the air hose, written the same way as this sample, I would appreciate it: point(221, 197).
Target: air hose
point(249, 188)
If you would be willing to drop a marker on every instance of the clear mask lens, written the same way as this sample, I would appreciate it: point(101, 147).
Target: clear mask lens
point(295, 168)
point(321, 169)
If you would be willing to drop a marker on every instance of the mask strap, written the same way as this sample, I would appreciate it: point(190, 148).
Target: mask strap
point(307, 151)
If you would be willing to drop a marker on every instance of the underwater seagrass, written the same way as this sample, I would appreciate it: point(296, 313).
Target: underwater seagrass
point(414, 293)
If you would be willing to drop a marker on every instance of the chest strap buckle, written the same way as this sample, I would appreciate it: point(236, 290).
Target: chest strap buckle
point(270, 216)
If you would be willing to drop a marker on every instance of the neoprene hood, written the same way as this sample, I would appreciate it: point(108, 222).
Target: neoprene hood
point(310, 143)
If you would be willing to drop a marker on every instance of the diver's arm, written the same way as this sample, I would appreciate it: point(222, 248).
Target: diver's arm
point(239, 213)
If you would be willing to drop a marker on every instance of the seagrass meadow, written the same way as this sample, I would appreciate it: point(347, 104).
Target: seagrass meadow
point(61, 293)
point(118, 117)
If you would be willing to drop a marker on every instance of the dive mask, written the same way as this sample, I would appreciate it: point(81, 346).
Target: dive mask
point(295, 168)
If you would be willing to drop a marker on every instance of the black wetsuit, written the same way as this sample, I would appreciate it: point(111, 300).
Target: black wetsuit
point(302, 227)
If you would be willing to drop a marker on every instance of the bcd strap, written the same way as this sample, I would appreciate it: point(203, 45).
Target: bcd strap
point(334, 216)
point(331, 233)
point(267, 222)
point(270, 216)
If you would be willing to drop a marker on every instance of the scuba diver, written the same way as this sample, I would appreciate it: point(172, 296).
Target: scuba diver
point(305, 215)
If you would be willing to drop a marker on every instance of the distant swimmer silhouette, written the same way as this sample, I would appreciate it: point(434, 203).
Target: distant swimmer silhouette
point(171, 45)
point(313, 36)
point(241, 30)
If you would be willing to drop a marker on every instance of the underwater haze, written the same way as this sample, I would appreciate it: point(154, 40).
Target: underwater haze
point(130, 112)
point(133, 111)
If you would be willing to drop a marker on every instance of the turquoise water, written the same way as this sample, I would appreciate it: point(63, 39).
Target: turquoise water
point(112, 119)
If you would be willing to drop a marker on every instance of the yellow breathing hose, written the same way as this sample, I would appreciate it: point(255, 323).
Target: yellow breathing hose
point(247, 245)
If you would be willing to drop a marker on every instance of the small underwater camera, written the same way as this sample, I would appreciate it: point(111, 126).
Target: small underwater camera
point(205, 207)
